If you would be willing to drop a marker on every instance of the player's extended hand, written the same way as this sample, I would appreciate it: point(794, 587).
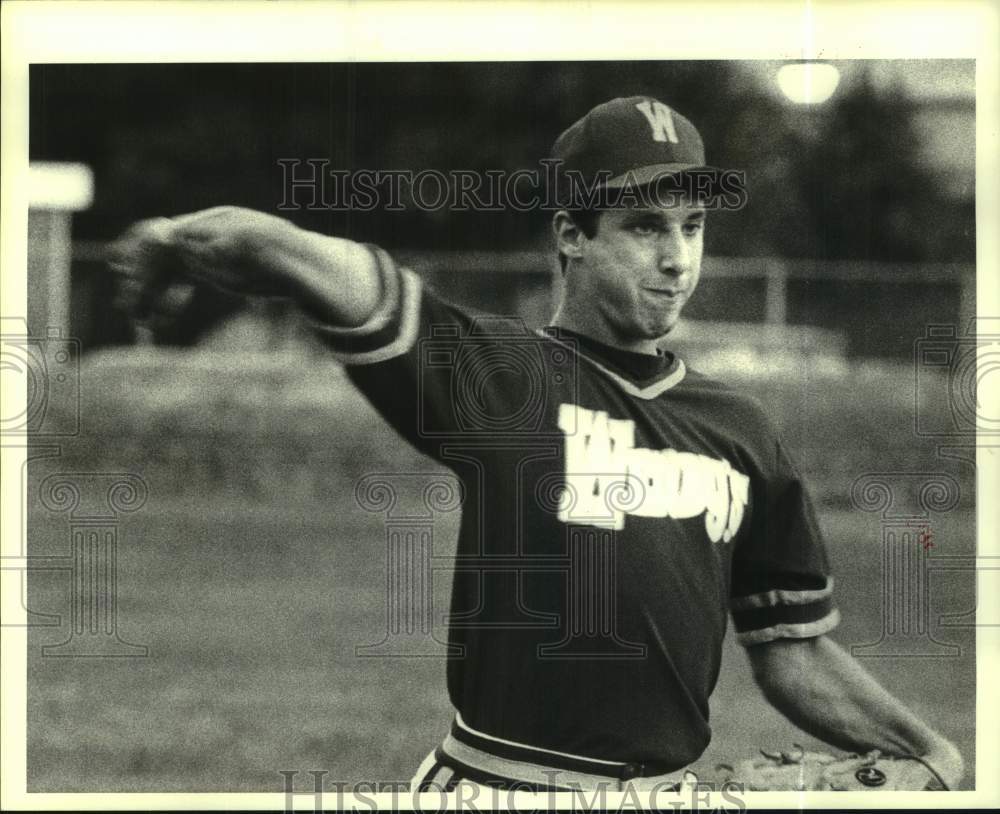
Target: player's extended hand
point(161, 261)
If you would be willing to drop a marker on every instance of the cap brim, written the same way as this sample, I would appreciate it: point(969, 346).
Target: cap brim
point(642, 176)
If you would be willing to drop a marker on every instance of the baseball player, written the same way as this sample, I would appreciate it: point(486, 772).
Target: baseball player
point(619, 507)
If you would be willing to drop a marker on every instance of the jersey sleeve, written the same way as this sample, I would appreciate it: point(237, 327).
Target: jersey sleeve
point(781, 585)
point(399, 358)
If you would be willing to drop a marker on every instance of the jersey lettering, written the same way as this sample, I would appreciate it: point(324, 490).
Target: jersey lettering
point(660, 120)
point(607, 477)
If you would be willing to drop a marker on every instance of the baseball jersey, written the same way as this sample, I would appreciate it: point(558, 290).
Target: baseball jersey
point(618, 509)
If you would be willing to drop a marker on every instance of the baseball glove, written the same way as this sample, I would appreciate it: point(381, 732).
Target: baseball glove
point(799, 770)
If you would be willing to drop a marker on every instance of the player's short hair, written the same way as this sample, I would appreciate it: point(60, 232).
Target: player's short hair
point(586, 219)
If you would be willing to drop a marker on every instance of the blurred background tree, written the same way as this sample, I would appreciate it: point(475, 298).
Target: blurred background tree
point(847, 179)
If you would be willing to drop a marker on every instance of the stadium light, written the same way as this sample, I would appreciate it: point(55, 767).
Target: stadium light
point(808, 83)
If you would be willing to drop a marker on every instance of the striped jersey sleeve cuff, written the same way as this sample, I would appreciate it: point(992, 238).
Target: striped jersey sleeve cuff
point(784, 614)
point(391, 330)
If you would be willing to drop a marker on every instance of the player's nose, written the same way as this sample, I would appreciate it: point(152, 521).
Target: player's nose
point(673, 254)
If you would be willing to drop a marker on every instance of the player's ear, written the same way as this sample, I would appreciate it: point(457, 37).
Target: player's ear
point(568, 234)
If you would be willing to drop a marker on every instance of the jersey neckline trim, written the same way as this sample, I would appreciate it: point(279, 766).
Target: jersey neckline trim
point(650, 391)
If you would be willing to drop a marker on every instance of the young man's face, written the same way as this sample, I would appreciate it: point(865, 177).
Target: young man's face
point(633, 277)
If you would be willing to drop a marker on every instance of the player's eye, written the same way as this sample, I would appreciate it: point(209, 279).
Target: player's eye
point(693, 227)
point(642, 229)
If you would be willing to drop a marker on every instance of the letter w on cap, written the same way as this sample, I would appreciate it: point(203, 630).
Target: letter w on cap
point(660, 120)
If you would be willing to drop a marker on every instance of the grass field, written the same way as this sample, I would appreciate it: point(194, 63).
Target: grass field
point(252, 618)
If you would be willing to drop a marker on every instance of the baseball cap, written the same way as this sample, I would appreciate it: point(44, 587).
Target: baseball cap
point(630, 141)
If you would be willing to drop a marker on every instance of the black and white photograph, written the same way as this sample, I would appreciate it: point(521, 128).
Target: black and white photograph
point(445, 433)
